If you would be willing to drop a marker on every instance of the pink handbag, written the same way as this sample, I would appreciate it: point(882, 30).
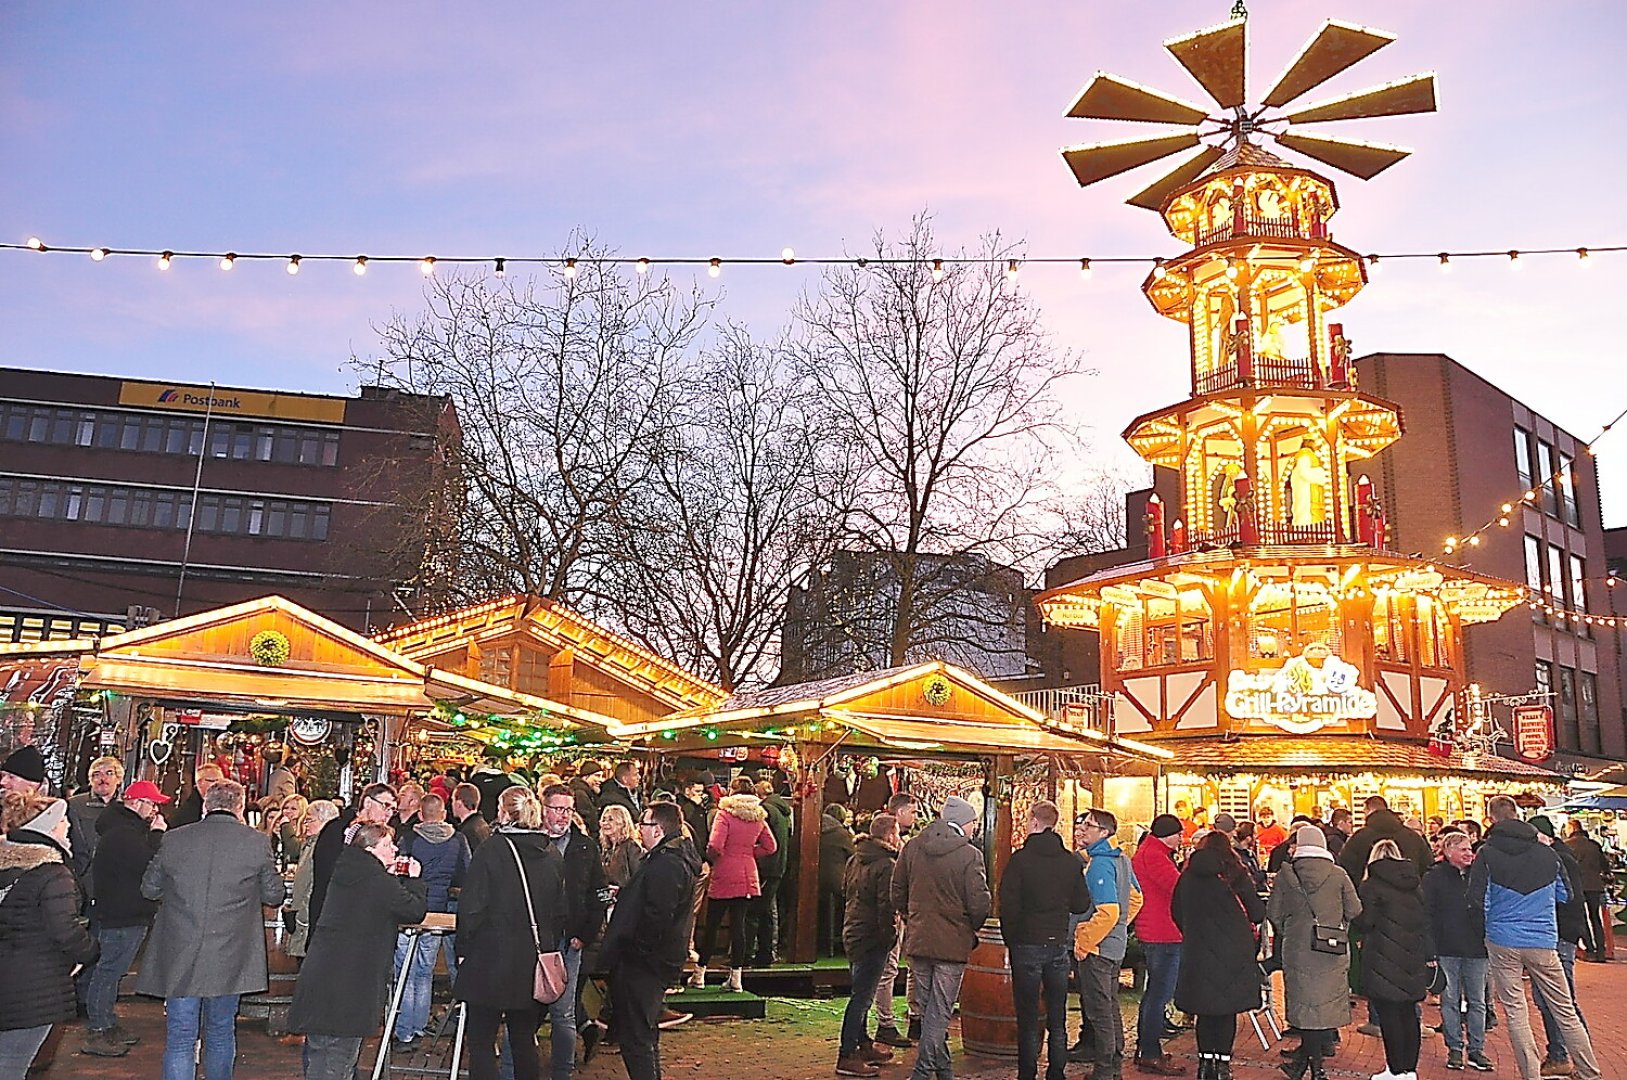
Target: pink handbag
point(549, 980)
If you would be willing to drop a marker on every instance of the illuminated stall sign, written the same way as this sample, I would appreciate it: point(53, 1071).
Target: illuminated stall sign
point(1534, 732)
point(1307, 693)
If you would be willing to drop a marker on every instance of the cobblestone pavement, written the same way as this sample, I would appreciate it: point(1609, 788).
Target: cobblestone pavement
point(797, 1040)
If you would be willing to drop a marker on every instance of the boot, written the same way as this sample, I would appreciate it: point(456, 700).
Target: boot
point(698, 980)
point(855, 1066)
point(102, 1044)
point(1297, 1066)
point(1319, 1071)
point(1206, 1067)
point(735, 975)
point(1223, 1067)
point(875, 1053)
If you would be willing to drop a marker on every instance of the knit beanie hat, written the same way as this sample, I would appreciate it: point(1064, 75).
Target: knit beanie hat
point(957, 811)
point(25, 762)
point(1544, 825)
point(54, 814)
point(1310, 836)
point(1225, 823)
point(1165, 825)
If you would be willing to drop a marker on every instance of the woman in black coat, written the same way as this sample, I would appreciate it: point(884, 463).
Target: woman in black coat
point(497, 956)
point(344, 984)
point(42, 938)
point(1396, 951)
point(1217, 908)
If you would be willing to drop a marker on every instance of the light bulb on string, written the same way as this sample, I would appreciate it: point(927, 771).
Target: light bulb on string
point(500, 268)
point(1372, 265)
point(1084, 269)
point(36, 243)
point(570, 268)
point(642, 266)
point(1011, 270)
point(426, 265)
point(1158, 271)
point(788, 256)
point(937, 269)
point(293, 264)
point(1582, 257)
point(1446, 261)
point(714, 267)
point(1307, 264)
point(1513, 260)
point(98, 254)
point(165, 259)
point(359, 267)
point(228, 260)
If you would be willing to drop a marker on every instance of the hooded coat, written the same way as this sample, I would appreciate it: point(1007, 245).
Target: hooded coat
point(1312, 891)
point(497, 957)
point(739, 835)
point(868, 886)
point(1216, 908)
point(771, 867)
point(344, 983)
point(1517, 883)
point(835, 848)
point(1382, 825)
point(41, 934)
point(941, 888)
point(443, 854)
point(1042, 888)
point(646, 929)
point(1397, 944)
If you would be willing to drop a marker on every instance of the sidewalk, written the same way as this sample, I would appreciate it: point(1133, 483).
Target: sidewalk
point(797, 1041)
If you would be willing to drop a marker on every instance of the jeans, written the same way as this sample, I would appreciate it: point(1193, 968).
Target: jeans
point(185, 1018)
point(1550, 1023)
point(18, 1047)
point(636, 994)
point(1465, 983)
point(331, 1057)
point(1398, 1023)
point(1036, 968)
point(413, 1019)
point(1547, 979)
point(888, 980)
point(119, 947)
point(1595, 922)
point(1099, 990)
point(562, 1016)
point(1163, 968)
point(866, 968)
point(763, 922)
point(938, 982)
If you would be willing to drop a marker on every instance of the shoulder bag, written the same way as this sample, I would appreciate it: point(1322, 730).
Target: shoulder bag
point(1333, 940)
point(549, 980)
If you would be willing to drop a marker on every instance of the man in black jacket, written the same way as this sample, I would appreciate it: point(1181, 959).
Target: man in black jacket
point(622, 790)
point(128, 835)
point(1382, 824)
point(465, 810)
point(584, 914)
point(1571, 916)
point(585, 790)
point(1044, 885)
point(1459, 931)
point(869, 929)
point(377, 807)
point(645, 945)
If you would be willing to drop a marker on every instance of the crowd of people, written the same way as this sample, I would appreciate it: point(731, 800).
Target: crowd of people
point(612, 874)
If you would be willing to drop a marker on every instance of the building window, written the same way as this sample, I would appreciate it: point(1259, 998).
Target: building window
point(1545, 471)
point(1555, 583)
point(1533, 575)
point(1578, 594)
point(162, 434)
point(1522, 456)
point(1587, 694)
point(1565, 478)
point(108, 504)
point(1544, 677)
point(1570, 735)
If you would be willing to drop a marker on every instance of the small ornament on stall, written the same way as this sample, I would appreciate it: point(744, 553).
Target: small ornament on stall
point(269, 648)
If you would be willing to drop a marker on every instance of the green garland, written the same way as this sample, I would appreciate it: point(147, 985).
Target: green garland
point(270, 648)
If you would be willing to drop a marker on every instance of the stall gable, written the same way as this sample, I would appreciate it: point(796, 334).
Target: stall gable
point(933, 692)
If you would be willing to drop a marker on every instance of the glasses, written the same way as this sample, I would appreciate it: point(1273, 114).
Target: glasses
point(648, 824)
point(388, 804)
point(567, 808)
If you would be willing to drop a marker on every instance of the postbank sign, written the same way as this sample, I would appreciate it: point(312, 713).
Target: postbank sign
point(199, 399)
point(1307, 693)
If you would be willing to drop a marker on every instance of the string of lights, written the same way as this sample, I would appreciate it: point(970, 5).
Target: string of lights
point(228, 260)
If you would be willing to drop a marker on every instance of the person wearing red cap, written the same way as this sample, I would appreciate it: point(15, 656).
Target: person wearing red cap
point(127, 839)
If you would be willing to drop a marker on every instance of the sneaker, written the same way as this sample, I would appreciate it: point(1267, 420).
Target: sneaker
point(1385, 1075)
point(1454, 1060)
point(855, 1066)
point(875, 1053)
point(102, 1044)
point(888, 1035)
point(1480, 1062)
point(1551, 1067)
point(1370, 1028)
point(915, 1028)
point(123, 1034)
point(671, 1018)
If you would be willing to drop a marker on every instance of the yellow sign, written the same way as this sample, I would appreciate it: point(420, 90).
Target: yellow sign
point(184, 398)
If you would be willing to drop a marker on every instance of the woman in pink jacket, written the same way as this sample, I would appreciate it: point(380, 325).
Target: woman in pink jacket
point(740, 833)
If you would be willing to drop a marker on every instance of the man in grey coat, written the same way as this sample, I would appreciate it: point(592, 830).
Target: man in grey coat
point(208, 943)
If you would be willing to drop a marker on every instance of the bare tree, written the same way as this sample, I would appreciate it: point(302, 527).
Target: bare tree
point(743, 500)
point(567, 392)
point(941, 382)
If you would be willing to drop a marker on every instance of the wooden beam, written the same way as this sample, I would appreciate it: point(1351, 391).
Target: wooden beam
point(997, 823)
point(809, 806)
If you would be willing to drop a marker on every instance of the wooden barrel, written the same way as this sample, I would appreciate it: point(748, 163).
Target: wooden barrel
point(988, 1018)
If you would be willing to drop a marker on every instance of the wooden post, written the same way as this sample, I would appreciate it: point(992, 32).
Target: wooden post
point(810, 797)
point(997, 823)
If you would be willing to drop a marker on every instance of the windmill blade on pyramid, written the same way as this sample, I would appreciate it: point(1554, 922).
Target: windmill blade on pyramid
point(1218, 59)
point(1335, 47)
point(1415, 94)
point(1098, 161)
point(1354, 156)
point(1153, 195)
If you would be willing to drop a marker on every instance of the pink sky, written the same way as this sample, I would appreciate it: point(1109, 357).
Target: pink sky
point(737, 129)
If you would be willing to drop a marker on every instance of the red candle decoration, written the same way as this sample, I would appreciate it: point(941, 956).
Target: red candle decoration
point(1177, 536)
point(1155, 528)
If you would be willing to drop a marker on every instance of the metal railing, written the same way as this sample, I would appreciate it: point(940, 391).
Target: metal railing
point(1074, 708)
point(1266, 371)
point(1252, 226)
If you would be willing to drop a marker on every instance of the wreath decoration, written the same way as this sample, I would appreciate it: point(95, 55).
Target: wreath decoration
point(937, 690)
point(269, 648)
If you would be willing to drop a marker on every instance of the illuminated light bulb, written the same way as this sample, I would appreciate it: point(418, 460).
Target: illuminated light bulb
point(1513, 260)
point(1446, 261)
point(1084, 269)
point(1158, 271)
point(500, 268)
point(36, 243)
point(1011, 270)
point(1581, 256)
point(1231, 269)
point(1307, 264)
point(642, 266)
point(788, 256)
point(570, 268)
point(293, 264)
point(1474, 541)
point(98, 254)
point(1530, 496)
point(937, 269)
point(228, 260)
point(1451, 541)
point(165, 259)
point(426, 265)
point(714, 267)
point(1503, 521)
point(359, 267)
point(1508, 508)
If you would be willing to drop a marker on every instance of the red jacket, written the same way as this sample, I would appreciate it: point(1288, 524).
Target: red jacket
point(739, 834)
point(1155, 868)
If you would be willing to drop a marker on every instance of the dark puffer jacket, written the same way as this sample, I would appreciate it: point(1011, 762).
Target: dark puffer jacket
point(443, 856)
point(1398, 945)
point(1216, 907)
point(41, 934)
point(867, 885)
point(1043, 887)
point(1383, 825)
point(126, 845)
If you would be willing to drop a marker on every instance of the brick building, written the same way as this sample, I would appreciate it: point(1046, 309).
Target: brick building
point(322, 499)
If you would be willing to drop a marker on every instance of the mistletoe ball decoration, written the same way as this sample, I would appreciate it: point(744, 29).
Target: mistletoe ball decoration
point(270, 648)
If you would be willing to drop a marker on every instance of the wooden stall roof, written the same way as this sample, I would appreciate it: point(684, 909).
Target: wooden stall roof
point(1290, 754)
point(555, 630)
point(207, 658)
point(929, 708)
